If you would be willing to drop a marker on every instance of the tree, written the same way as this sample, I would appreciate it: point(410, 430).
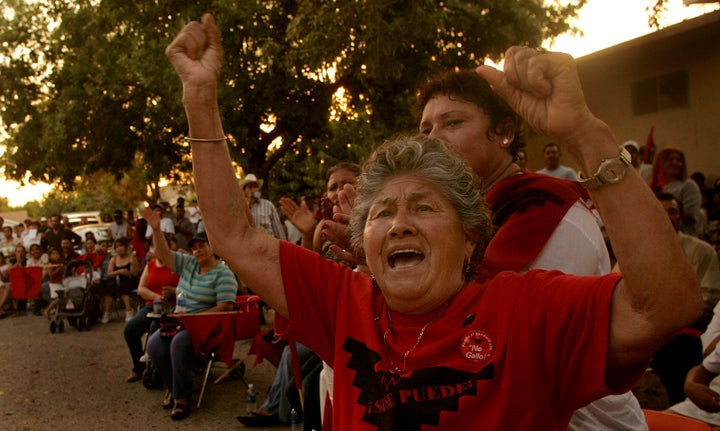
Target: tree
point(656, 9)
point(86, 87)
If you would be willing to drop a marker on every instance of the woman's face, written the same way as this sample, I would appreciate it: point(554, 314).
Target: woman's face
point(120, 249)
point(463, 126)
point(414, 245)
point(20, 252)
point(36, 252)
point(202, 252)
point(337, 181)
point(672, 165)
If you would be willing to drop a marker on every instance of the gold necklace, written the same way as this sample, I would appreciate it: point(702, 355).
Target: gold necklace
point(393, 368)
point(487, 185)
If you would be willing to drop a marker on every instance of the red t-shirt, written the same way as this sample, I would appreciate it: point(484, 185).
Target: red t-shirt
point(158, 277)
point(516, 352)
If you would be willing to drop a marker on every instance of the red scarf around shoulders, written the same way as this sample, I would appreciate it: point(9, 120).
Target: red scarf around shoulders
point(527, 209)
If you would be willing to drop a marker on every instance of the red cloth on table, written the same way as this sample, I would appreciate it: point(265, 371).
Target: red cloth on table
point(212, 333)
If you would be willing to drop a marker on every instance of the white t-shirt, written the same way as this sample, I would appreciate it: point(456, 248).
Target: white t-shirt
point(577, 247)
point(166, 225)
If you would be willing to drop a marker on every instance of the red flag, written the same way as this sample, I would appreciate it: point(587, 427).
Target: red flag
point(25, 282)
point(649, 146)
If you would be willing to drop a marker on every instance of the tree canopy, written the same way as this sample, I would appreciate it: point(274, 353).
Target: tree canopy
point(86, 88)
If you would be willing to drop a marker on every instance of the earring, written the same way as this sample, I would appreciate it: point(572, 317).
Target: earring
point(505, 142)
point(467, 270)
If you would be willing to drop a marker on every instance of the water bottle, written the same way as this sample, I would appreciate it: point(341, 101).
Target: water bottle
point(180, 303)
point(29, 307)
point(295, 421)
point(251, 402)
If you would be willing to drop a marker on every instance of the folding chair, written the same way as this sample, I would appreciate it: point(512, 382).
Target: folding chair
point(215, 334)
point(662, 421)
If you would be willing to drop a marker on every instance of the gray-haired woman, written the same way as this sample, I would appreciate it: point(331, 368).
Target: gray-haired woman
point(417, 344)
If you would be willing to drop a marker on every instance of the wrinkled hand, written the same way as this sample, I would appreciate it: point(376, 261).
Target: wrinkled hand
point(299, 215)
point(196, 54)
point(336, 230)
point(151, 218)
point(544, 88)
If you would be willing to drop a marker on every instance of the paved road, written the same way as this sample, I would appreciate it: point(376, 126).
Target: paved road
point(76, 381)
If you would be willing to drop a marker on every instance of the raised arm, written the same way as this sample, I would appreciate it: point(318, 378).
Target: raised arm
point(659, 293)
point(196, 55)
point(160, 245)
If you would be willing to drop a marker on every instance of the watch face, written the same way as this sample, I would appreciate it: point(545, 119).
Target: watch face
point(613, 172)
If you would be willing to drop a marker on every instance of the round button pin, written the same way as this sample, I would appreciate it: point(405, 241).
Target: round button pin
point(477, 347)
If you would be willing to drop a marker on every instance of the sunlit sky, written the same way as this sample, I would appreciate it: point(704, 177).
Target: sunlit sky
point(604, 23)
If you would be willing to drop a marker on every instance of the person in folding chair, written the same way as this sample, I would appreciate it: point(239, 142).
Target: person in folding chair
point(424, 343)
point(209, 286)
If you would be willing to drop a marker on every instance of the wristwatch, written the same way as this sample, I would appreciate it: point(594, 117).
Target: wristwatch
point(610, 171)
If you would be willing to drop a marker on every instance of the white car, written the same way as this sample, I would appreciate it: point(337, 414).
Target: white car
point(83, 218)
point(100, 230)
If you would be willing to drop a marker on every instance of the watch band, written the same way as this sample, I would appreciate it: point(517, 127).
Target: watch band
point(610, 171)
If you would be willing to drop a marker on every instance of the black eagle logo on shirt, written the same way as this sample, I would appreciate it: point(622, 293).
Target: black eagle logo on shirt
point(393, 402)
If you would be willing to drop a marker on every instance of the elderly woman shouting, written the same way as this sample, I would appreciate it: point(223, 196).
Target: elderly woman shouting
point(417, 344)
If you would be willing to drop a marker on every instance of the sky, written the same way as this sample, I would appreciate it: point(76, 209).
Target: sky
point(604, 23)
point(609, 22)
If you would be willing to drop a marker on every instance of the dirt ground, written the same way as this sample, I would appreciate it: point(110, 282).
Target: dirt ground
point(76, 380)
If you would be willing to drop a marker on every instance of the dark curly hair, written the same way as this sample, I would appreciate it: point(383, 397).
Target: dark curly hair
point(468, 86)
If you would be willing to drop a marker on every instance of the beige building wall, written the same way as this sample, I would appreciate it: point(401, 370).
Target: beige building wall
point(608, 77)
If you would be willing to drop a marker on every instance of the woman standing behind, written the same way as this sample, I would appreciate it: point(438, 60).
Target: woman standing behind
point(669, 174)
point(156, 282)
point(124, 267)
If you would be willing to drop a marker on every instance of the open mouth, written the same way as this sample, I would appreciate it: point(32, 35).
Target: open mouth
point(405, 258)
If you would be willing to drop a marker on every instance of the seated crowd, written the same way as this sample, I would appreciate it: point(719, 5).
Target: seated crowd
point(117, 261)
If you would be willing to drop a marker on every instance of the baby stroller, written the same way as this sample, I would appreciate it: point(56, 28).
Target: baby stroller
point(77, 301)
